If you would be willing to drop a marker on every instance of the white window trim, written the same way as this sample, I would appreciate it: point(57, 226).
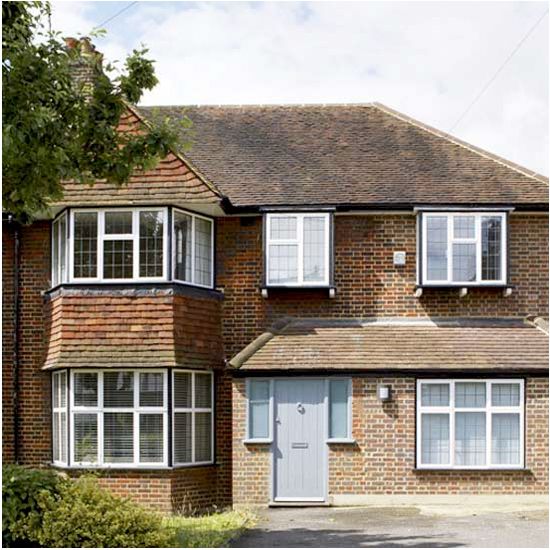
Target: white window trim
point(299, 241)
point(193, 410)
point(489, 409)
point(174, 251)
point(60, 409)
point(102, 237)
point(349, 437)
point(476, 240)
point(99, 410)
point(57, 276)
point(269, 438)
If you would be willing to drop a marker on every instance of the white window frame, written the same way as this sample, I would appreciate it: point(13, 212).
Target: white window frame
point(193, 410)
point(137, 410)
point(134, 236)
point(174, 251)
point(59, 409)
point(58, 277)
point(475, 240)
point(451, 410)
point(299, 241)
point(269, 438)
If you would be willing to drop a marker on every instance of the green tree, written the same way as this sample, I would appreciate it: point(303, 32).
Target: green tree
point(55, 129)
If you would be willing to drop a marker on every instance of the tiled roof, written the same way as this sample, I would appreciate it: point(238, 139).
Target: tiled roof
point(399, 344)
point(345, 155)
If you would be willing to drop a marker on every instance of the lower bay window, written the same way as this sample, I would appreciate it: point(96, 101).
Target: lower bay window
point(470, 424)
point(121, 418)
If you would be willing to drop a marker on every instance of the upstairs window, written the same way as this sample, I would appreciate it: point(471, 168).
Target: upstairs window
point(463, 248)
point(59, 250)
point(112, 245)
point(297, 249)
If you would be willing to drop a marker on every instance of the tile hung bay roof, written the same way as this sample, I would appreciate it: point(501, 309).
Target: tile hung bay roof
point(345, 155)
point(413, 345)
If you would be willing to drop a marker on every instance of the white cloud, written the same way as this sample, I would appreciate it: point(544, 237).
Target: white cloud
point(427, 59)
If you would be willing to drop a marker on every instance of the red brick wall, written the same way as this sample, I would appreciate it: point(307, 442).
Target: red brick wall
point(367, 283)
point(383, 459)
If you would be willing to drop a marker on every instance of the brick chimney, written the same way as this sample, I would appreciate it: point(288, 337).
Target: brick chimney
point(86, 62)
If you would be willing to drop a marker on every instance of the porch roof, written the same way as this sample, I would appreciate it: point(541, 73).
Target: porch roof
point(389, 344)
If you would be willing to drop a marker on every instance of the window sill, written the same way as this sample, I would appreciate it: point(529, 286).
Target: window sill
point(341, 440)
point(462, 470)
point(450, 286)
point(264, 441)
point(266, 289)
point(134, 468)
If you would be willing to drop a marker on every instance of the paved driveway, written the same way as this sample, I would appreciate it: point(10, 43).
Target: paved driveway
point(394, 527)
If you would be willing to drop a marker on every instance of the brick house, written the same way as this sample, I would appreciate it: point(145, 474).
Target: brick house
point(331, 304)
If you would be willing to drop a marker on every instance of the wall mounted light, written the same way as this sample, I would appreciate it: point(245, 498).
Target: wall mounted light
point(384, 392)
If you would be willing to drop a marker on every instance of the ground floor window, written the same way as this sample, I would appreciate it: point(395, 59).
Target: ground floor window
point(470, 424)
point(123, 417)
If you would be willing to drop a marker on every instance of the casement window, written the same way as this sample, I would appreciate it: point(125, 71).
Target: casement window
point(119, 418)
point(193, 249)
point(259, 416)
point(193, 428)
point(466, 248)
point(59, 250)
point(297, 249)
point(470, 424)
point(59, 417)
point(113, 245)
point(339, 412)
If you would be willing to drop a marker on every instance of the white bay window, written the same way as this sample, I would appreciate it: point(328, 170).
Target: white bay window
point(470, 424)
point(463, 248)
point(297, 249)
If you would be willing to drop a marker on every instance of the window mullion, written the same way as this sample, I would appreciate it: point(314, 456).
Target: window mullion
point(193, 417)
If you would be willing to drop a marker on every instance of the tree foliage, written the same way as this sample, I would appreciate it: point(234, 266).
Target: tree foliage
point(55, 130)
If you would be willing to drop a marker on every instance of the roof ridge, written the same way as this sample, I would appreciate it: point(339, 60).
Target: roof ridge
point(461, 143)
point(262, 105)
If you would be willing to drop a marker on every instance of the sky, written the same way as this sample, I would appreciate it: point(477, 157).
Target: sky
point(428, 60)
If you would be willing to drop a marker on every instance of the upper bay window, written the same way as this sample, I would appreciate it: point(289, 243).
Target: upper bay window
point(111, 245)
point(466, 248)
point(297, 249)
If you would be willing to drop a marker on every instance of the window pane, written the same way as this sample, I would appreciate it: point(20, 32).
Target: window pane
point(151, 228)
point(63, 249)
point(464, 262)
point(182, 437)
point(55, 436)
point(151, 389)
point(85, 389)
point(182, 390)
point(118, 389)
point(182, 230)
point(85, 244)
point(436, 238)
point(491, 241)
point(59, 437)
point(118, 437)
point(203, 437)
point(435, 395)
point(258, 420)
point(314, 249)
point(55, 254)
point(118, 259)
point(464, 227)
point(338, 409)
point(470, 394)
point(118, 223)
point(203, 391)
point(283, 227)
point(505, 439)
point(203, 251)
point(505, 395)
point(85, 437)
point(59, 390)
point(259, 390)
point(470, 439)
point(283, 263)
point(435, 439)
point(151, 434)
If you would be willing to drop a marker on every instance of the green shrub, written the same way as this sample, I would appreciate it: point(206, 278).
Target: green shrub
point(84, 515)
point(21, 513)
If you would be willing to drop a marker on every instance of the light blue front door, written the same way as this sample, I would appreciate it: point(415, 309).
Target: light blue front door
point(299, 446)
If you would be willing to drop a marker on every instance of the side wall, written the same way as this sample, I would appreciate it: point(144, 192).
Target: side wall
point(382, 461)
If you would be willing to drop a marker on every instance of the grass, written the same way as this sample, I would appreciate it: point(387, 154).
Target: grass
point(210, 531)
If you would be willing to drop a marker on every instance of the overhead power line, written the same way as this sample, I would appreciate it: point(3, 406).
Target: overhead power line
point(115, 15)
point(492, 79)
